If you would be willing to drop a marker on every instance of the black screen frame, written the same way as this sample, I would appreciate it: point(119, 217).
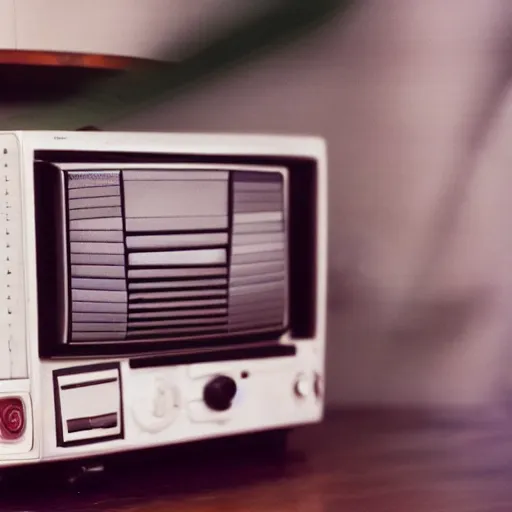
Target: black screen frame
point(303, 205)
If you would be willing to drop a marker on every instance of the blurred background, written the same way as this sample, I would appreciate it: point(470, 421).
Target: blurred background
point(413, 100)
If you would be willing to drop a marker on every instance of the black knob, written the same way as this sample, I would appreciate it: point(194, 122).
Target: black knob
point(219, 393)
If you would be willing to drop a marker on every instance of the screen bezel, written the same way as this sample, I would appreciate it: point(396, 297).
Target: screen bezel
point(302, 193)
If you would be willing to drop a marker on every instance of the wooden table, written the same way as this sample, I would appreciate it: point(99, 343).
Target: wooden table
point(354, 462)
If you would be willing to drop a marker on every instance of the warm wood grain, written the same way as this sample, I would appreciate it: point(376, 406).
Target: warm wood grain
point(77, 60)
point(354, 462)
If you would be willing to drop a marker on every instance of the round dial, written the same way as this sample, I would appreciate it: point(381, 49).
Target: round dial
point(218, 394)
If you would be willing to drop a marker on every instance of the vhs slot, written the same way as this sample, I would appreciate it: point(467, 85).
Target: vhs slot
point(176, 241)
point(102, 224)
point(174, 305)
point(94, 202)
point(79, 283)
point(232, 352)
point(278, 277)
point(155, 285)
point(172, 175)
point(254, 269)
point(97, 248)
point(258, 238)
point(89, 383)
point(268, 206)
point(98, 307)
point(96, 236)
point(93, 270)
point(94, 213)
point(179, 322)
point(175, 198)
point(258, 227)
point(103, 421)
point(185, 258)
point(83, 193)
point(100, 317)
point(165, 273)
point(258, 257)
point(182, 313)
point(244, 218)
point(182, 294)
point(97, 259)
point(99, 296)
point(155, 224)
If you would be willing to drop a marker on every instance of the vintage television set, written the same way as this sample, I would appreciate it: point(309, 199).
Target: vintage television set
point(157, 289)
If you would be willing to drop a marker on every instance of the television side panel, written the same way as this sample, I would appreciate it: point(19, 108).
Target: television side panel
point(13, 342)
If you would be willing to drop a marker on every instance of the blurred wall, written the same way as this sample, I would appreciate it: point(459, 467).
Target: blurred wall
point(409, 95)
point(130, 28)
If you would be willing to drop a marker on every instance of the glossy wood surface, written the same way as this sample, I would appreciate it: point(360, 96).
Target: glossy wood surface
point(353, 462)
point(40, 58)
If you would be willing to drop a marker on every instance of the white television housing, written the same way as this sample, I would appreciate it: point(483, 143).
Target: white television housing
point(158, 289)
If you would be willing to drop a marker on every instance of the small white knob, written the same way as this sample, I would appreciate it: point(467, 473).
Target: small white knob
point(302, 387)
point(319, 386)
